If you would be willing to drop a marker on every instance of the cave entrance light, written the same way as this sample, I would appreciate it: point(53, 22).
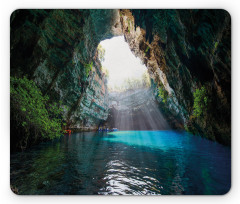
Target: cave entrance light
point(121, 64)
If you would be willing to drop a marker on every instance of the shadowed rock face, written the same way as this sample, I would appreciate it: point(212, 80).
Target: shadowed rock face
point(54, 47)
point(183, 50)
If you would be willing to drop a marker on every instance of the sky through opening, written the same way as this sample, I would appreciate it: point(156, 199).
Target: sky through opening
point(120, 62)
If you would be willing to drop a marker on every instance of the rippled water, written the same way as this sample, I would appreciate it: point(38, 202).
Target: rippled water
point(124, 162)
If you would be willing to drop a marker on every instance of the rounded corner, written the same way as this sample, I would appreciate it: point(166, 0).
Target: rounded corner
point(14, 190)
point(13, 12)
point(227, 13)
point(228, 191)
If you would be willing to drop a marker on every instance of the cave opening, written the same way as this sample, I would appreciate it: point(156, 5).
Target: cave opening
point(124, 70)
point(132, 104)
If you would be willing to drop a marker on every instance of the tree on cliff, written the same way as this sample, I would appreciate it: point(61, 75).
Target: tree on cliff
point(33, 116)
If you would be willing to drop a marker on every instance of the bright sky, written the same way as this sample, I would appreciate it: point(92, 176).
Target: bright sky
point(120, 61)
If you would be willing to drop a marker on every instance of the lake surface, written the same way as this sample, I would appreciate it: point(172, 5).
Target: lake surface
point(123, 163)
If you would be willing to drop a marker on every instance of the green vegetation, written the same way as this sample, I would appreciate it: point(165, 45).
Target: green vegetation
point(105, 71)
point(101, 53)
point(146, 82)
point(200, 101)
point(129, 25)
point(101, 56)
point(162, 93)
point(32, 115)
point(88, 68)
point(137, 83)
point(215, 47)
point(147, 49)
point(133, 83)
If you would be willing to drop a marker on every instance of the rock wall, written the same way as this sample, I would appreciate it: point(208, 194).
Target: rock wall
point(185, 50)
point(58, 50)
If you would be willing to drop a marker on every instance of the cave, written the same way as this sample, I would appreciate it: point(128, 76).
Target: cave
point(55, 60)
point(59, 83)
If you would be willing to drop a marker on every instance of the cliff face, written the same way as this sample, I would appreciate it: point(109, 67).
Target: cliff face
point(57, 48)
point(188, 54)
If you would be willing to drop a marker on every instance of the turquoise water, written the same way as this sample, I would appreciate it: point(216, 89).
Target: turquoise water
point(124, 163)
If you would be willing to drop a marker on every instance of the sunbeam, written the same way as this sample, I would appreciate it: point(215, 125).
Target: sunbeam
point(132, 102)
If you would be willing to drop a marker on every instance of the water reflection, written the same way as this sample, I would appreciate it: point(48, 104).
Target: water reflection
point(123, 163)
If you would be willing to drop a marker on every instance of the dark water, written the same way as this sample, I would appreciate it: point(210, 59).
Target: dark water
point(124, 162)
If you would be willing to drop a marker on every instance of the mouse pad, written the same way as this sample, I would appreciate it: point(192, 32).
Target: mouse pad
point(120, 102)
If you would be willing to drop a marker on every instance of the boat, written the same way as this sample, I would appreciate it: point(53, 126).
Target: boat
point(114, 129)
point(68, 131)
